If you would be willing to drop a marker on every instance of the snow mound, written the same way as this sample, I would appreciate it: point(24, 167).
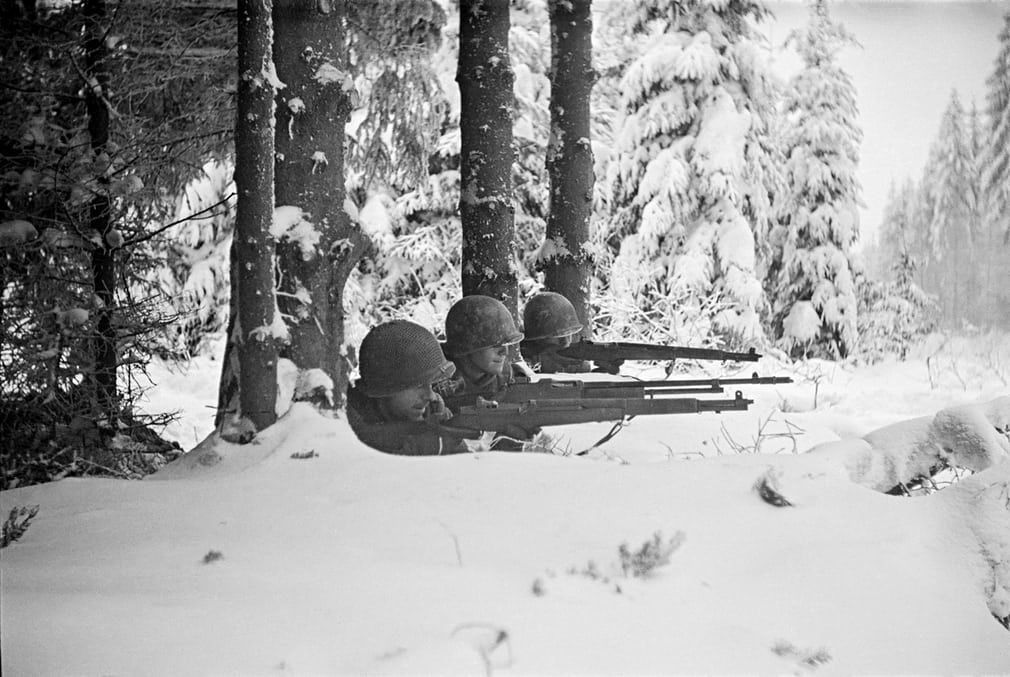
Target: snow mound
point(973, 436)
point(303, 432)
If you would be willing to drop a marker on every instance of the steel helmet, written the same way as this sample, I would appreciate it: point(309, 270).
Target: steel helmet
point(398, 355)
point(549, 315)
point(477, 322)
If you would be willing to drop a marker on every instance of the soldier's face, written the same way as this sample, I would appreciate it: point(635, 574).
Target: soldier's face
point(409, 404)
point(559, 341)
point(490, 360)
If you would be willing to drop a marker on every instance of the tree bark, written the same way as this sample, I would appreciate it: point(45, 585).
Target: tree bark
point(254, 250)
point(312, 111)
point(486, 209)
point(570, 155)
point(103, 262)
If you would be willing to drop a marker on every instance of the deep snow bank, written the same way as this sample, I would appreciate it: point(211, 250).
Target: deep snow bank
point(338, 560)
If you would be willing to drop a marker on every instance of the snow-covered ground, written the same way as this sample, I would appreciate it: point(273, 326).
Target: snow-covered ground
point(307, 553)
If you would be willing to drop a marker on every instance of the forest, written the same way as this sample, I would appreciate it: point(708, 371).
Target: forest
point(168, 176)
point(207, 205)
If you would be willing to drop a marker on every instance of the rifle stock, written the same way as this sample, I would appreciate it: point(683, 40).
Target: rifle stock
point(609, 352)
point(498, 416)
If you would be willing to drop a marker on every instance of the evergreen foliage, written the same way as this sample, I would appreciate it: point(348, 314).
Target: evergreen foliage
point(689, 194)
point(946, 231)
point(105, 115)
point(950, 196)
point(996, 159)
point(895, 314)
point(812, 274)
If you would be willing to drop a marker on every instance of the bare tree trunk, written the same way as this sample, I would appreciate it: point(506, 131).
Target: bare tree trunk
point(254, 250)
point(312, 112)
point(103, 263)
point(570, 154)
point(485, 205)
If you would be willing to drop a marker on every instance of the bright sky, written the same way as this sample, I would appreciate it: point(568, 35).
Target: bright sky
point(914, 54)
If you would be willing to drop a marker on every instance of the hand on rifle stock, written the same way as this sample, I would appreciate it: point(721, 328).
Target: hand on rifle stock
point(608, 366)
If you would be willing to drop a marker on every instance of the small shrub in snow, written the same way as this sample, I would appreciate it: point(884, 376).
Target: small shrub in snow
point(640, 563)
point(653, 554)
point(806, 657)
point(212, 556)
point(17, 523)
point(790, 431)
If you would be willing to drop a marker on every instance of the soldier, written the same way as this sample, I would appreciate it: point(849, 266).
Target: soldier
point(392, 407)
point(550, 323)
point(478, 332)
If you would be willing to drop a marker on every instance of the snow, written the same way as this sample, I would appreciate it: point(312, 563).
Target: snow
point(328, 74)
point(332, 558)
point(293, 224)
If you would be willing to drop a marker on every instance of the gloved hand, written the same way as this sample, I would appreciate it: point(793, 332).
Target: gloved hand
point(437, 412)
point(518, 432)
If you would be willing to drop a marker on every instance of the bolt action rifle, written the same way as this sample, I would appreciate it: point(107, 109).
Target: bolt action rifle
point(523, 390)
point(492, 415)
point(609, 355)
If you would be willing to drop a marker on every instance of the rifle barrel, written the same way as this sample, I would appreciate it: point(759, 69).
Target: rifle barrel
point(610, 351)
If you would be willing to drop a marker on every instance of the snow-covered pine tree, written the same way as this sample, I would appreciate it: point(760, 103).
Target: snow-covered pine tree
point(995, 173)
point(688, 192)
point(812, 277)
point(894, 310)
point(896, 236)
point(895, 313)
point(949, 185)
point(996, 161)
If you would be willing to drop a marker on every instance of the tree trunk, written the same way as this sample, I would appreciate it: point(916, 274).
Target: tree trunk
point(103, 263)
point(228, 386)
point(254, 250)
point(311, 115)
point(485, 204)
point(570, 154)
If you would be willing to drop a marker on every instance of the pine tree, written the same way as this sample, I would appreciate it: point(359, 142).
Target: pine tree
point(949, 187)
point(815, 305)
point(996, 162)
point(108, 110)
point(897, 238)
point(570, 155)
point(316, 254)
point(688, 190)
point(995, 173)
point(253, 246)
point(486, 80)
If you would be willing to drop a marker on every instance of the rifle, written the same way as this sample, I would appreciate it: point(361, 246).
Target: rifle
point(617, 351)
point(490, 415)
point(523, 390)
